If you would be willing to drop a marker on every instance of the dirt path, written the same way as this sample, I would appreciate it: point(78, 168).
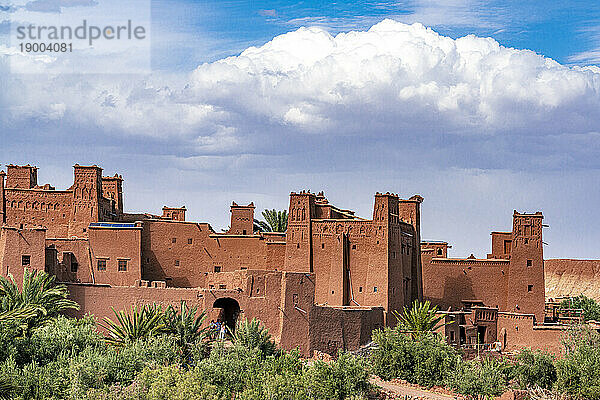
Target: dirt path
point(400, 390)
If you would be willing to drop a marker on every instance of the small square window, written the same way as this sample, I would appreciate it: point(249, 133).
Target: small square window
point(177, 263)
point(222, 286)
point(374, 289)
point(332, 292)
point(217, 268)
point(297, 245)
point(244, 232)
point(122, 265)
point(322, 245)
point(529, 263)
point(174, 240)
point(211, 286)
point(360, 289)
point(190, 241)
point(353, 247)
point(526, 240)
point(530, 288)
point(101, 265)
point(25, 260)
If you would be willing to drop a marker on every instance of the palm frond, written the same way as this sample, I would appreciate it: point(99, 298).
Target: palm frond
point(261, 226)
point(253, 335)
point(40, 298)
point(186, 326)
point(141, 323)
point(6, 387)
point(274, 221)
point(18, 314)
point(421, 318)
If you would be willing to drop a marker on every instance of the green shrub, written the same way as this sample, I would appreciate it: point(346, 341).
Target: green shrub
point(13, 344)
point(253, 335)
point(426, 361)
point(577, 372)
point(96, 368)
point(534, 369)
point(479, 378)
point(231, 370)
point(63, 335)
point(345, 378)
point(590, 307)
point(34, 381)
point(171, 382)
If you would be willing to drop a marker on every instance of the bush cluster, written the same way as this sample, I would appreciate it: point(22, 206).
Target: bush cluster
point(429, 361)
point(68, 359)
point(67, 356)
point(242, 373)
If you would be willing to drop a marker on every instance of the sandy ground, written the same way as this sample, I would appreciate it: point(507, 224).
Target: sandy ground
point(400, 391)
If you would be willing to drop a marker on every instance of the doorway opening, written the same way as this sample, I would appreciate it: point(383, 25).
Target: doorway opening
point(229, 312)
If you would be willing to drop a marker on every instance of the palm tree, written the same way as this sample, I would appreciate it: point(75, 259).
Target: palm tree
point(6, 387)
point(276, 221)
point(18, 314)
point(253, 335)
point(39, 300)
point(186, 326)
point(142, 323)
point(419, 319)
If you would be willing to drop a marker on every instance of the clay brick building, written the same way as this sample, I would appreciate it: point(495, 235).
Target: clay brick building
point(497, 299)
point(323, 285)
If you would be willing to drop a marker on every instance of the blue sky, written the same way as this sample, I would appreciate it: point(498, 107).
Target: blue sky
point(482, 107)
point(561, 30)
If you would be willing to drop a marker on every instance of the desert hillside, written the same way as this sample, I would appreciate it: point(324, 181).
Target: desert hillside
point(567, 277)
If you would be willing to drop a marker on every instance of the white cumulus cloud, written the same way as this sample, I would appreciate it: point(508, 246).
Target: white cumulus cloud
point(394, 82)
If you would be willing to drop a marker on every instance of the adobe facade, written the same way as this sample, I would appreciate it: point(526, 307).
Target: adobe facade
point(497, 300)
point(323, 285)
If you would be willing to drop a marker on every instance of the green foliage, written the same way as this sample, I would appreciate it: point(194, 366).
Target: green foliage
point(231, 370)
point(18, 314)
point(241, 373)
point(170, 382)
point(59, 335)
point(275, 221)
point(187, 328)
point(345, 378)
point(420, 318)
point(534, 370)
point(68, 336)
point(426, 361)
point(577, 372)
point(69, 370)
point(39, 300)
point(479, 378)
point(142, 323)
point(253, 335)
point(590, 307)
point(6, 388)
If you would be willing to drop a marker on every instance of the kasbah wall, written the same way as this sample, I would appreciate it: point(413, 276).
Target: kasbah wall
point(323, 285)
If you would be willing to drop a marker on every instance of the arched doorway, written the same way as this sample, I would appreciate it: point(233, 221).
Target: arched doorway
point(230, 310)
